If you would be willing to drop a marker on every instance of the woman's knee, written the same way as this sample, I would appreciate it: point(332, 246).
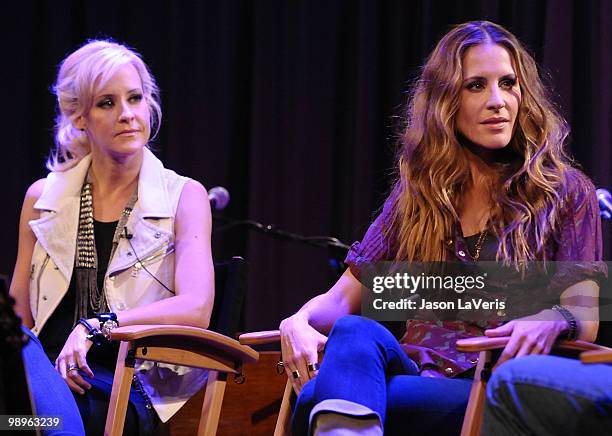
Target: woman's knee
point(504, 386)
point(361, 328)
point(359, 339)
point(502, 379)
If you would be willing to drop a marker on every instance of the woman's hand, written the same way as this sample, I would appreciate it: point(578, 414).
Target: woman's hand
point(73, 356)
point(535, 334)
point(300, 345)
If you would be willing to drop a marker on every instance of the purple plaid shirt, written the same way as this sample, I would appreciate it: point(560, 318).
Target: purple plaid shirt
point(431, 344)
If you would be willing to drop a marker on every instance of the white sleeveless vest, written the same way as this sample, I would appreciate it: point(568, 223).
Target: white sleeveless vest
point(127, 285)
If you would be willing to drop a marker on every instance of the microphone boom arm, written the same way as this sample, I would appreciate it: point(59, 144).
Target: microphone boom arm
point(272, 230)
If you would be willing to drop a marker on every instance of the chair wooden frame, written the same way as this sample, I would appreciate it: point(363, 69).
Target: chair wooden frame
point(283, 422)
point(597, 356)
point(472, 420)
point(180, 345)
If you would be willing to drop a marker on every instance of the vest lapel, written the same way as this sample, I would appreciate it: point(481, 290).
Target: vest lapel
point(59, 204)
point(56, 230)
point(151, 220)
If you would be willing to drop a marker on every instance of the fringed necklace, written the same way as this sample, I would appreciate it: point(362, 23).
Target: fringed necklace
point(86, 259)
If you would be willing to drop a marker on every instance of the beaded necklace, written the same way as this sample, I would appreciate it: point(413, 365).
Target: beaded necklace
point(86, 259)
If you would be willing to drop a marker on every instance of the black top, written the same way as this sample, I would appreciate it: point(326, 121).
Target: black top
point(58, 327)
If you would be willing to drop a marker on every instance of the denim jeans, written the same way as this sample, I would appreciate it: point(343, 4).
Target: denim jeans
point(364, 364)
point(50, 393)
point(549, 395)
point(52, 396)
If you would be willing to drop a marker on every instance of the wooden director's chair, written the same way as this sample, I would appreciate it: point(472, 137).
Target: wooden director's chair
point(189, 346)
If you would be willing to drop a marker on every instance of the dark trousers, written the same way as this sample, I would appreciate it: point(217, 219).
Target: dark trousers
point(140, 418)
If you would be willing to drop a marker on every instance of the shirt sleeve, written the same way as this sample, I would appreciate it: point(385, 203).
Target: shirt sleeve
point(376, 244)
point(579, 248)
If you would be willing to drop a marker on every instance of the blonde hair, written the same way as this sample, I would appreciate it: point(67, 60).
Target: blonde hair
point(80, 75)
point(433, 168)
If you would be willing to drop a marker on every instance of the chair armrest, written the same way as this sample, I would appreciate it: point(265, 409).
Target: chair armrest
point(177, 334)
point(597, 356)
point(485, 343)
point(258, 338)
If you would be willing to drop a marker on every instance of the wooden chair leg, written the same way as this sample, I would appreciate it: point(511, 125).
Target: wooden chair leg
point(120, 395)
point(213, 399)
point(283, 423)
point(473, 414)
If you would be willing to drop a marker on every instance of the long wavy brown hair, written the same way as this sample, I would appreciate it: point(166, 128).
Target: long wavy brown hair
point(531, 184)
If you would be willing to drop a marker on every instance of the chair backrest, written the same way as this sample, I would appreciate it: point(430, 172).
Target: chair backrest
point(231, 278)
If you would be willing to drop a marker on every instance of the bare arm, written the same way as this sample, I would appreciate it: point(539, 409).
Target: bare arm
point(20, 284)
point(342, 299)
point(193, 285)
point(194, 273)
point(300, 340)
point(582, 299)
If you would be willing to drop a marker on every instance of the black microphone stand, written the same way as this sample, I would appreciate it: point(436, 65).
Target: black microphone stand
point(337, 249)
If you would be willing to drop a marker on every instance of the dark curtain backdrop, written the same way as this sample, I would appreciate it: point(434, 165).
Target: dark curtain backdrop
point(292, 105)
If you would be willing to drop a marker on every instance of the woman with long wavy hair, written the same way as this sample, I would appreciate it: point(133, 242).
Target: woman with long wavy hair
point(481, 176)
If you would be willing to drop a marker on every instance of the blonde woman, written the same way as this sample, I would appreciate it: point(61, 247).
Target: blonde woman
point(112, 238)
point(481, 176)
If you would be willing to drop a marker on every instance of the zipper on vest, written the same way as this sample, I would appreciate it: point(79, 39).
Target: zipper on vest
point(38, 279)
point(164, 251)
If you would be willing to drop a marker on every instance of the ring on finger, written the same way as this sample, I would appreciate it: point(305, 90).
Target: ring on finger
point(295, 374)
point(72, 367)
point(312, 366)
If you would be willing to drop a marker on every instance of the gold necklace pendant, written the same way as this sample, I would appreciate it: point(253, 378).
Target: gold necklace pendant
point(479, 244)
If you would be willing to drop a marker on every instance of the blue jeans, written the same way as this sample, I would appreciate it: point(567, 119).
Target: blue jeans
point(50, 393)
point(52, 396)
point(364, 364)
point(549, 395)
